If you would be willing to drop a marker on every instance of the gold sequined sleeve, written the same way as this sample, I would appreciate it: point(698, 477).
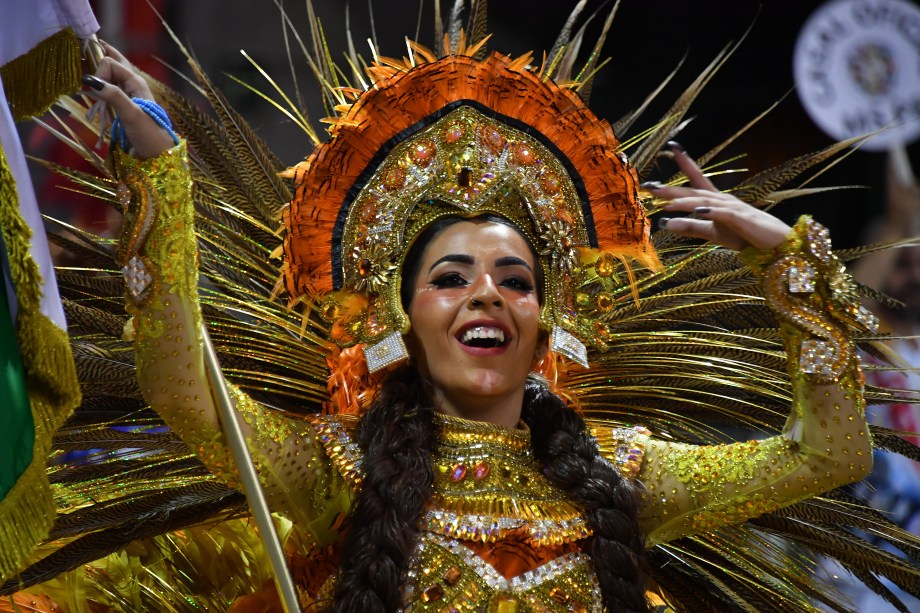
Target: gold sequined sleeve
point(159, 254)
point(825, 443)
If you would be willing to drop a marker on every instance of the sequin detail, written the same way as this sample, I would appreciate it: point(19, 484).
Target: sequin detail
point(492, 528)
point(811, 290)
point(564, 343)
point(481, 585)
point(801, 279)
point(391, 350)
point(511, 495)
point(334, 435)
point(624, 447)
point(817, 357)
point(138, 279)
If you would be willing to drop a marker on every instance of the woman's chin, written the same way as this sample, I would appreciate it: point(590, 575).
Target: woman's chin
point(486, 395)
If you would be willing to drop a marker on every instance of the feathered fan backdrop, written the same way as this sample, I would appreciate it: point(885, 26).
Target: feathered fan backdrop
point(698, 354)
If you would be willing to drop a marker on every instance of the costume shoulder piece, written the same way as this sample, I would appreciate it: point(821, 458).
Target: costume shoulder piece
point(624, 447)
point(336, 434)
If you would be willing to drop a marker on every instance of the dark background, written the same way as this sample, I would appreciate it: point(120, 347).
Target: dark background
point(647, 41)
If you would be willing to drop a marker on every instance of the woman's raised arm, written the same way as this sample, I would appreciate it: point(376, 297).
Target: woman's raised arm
point(825, 443)
point(159, 253)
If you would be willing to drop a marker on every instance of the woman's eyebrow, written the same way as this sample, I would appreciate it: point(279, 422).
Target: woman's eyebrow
point(512, 260)
point(456, 258)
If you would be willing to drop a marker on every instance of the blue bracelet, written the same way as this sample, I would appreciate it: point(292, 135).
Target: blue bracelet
point(155, 111)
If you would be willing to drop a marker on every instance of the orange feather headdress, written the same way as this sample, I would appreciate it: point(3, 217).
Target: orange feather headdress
point(460, 136)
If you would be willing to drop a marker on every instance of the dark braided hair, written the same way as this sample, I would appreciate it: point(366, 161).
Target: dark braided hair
point(397, 436)
point(571, 462)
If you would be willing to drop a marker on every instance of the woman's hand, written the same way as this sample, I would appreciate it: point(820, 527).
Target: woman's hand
point(116, 82)
point(723, 219)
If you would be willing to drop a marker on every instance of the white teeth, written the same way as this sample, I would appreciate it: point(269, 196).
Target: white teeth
point(484, 332)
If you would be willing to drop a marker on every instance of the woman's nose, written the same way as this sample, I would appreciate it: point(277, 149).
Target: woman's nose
point(485, 292)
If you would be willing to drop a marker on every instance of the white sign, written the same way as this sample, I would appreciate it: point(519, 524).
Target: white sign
point(857, 70)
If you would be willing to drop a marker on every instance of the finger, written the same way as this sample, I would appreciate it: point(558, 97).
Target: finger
point(673, 192)
point(124, 77)
point(114, 96)
point(690, 168)
point(749, 225)
point(691, 228)
point(689, 204)
point(115, 54)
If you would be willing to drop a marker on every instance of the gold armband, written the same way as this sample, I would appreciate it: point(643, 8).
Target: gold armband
point(155, 195)
point(811, 290)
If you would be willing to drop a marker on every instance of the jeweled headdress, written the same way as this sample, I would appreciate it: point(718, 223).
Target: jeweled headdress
point(459, 136)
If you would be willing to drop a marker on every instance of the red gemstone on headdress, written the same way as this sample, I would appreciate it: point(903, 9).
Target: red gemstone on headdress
point(394, 178)
point(365, 267)
point(481, 471)
point(452, 575)
point(453, 133)
point(550, 183)
point(523, 154)
point(458, 473)
point(494, 139)
point(423, 153)
point(559, 595)
point(434, 592)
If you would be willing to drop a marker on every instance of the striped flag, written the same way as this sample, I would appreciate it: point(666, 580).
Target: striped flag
point(39, 61)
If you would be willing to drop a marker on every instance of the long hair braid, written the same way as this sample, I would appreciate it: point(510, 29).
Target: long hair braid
point(571, 462)
point(397, 436)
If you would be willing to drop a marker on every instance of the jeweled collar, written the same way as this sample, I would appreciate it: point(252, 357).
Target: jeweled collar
point(457, 431)
point(488, 484)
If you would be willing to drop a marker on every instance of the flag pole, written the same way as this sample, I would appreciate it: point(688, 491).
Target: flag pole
point(236, 441)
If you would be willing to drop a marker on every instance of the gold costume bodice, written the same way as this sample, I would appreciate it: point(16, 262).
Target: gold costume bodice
point(491, 501)
point(496, 533)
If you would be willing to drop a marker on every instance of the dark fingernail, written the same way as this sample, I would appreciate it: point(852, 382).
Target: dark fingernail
point(94, 82)
point(663, 223)
point(702, 210)
point(650, 185)
point(676, 146)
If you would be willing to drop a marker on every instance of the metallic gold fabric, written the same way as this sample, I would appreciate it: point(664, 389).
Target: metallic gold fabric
point(170, 366)
point(492, 507)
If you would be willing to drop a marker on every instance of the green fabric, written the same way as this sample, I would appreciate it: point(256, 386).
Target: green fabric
point(17, 430)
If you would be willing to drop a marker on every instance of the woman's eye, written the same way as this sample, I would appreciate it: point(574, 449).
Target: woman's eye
point(451, 279)
point(518, 283)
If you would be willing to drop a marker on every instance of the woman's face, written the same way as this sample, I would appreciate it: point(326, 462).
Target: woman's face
point(475, 319)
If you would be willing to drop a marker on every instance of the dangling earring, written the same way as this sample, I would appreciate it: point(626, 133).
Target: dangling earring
point(389, 351)
point(563, 342)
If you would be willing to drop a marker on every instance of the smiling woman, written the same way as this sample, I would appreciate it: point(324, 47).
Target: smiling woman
point(476, 252)
point(475, 317)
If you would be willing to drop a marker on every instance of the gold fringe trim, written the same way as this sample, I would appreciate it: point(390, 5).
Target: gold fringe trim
point(31, 88)
point(27, 511)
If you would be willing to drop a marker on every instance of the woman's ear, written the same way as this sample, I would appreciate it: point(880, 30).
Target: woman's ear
point(542, 347)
